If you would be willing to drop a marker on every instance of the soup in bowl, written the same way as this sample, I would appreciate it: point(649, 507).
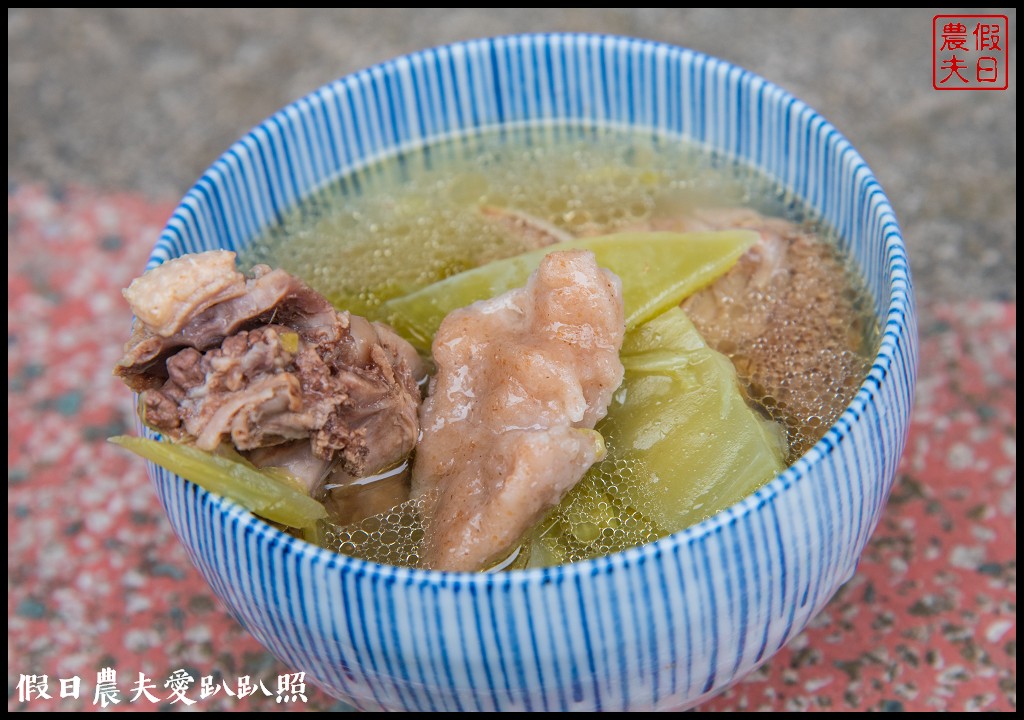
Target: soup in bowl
point(641, 138)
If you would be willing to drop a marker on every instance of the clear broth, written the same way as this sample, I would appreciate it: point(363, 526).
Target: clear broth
point(414, 218)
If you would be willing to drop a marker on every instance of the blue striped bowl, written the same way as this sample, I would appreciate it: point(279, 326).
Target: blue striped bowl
point(661, 626)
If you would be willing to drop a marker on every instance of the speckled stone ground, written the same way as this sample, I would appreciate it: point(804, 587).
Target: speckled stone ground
point(112, 114)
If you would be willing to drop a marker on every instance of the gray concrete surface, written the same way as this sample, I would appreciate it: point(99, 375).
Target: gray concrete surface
point(144, 100)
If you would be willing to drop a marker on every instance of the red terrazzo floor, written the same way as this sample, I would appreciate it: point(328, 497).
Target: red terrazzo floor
point(96, 578)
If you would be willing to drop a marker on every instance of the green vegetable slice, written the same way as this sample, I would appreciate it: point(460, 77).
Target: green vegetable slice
point(266, 494)
point(657, 269)
point(681, 410)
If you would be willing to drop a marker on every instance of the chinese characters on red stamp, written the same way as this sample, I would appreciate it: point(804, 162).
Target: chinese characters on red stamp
point(970, 52)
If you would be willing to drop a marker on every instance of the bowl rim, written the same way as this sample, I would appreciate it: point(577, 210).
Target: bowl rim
point(893, 332)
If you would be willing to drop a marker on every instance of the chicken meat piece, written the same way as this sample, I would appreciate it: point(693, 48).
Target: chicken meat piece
point(266, 361)
point(507, 428)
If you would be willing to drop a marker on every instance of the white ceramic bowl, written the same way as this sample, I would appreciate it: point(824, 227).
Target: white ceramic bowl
point(660, 626)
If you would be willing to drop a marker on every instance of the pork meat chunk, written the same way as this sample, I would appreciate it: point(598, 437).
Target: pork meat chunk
point(266, 361)
point(507, 429)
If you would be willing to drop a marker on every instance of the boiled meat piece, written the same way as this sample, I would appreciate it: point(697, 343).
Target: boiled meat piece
point(167, 296)
point(264, 361)
point(213, 313)
point(507, 428)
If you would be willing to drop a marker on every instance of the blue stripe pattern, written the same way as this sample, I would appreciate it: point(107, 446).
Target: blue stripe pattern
point(657, 627)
